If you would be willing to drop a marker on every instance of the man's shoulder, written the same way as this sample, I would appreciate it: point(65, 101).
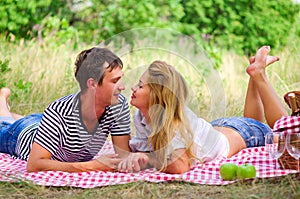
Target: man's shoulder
point(64, 103)
point(68, 99)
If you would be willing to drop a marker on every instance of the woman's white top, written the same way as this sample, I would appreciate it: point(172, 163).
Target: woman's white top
point(209, 143)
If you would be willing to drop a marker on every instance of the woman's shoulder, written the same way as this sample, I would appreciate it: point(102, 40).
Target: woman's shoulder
point(138, 117)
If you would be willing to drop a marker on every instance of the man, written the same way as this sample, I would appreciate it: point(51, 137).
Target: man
point(73, 129)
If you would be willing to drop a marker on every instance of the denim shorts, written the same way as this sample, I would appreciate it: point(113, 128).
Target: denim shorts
point(9, 132)
point(7, 119)
point(252, 131)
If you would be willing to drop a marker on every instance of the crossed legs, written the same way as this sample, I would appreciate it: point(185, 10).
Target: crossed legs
point(262, 102)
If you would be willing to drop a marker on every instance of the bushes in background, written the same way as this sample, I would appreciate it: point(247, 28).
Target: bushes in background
point(240, 25)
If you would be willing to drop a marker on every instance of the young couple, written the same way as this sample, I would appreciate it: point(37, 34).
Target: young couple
point(169, 136)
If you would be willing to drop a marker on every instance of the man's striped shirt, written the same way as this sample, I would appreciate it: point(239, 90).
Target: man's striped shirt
point(63, 134)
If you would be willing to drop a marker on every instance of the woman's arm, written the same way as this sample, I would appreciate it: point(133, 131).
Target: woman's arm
point(40, 160)
point(179, 162)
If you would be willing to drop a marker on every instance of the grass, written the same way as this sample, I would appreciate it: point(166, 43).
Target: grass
point(283, 187)
point(50, 71)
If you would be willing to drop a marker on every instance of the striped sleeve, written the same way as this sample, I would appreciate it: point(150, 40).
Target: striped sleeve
point(48, 132)
point(25, 141)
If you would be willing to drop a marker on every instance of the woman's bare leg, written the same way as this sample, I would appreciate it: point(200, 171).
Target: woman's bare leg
point(260, 86)
point(4, 107)
point(253, 107)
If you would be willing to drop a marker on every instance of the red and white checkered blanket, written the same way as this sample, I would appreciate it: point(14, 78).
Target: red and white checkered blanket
point(287, 124)
point(14, 170)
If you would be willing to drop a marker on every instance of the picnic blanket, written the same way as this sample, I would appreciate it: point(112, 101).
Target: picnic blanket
point(14, 170)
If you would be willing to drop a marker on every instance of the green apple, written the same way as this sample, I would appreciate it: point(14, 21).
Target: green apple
point(228, 171)
point(246, 171)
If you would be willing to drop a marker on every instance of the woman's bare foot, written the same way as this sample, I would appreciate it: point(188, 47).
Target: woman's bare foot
point(4, 94)
point(260, 61)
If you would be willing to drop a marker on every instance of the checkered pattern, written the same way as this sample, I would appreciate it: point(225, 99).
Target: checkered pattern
point(13, 170)
point(287, 124)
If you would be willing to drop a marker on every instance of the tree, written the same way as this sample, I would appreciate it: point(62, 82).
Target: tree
point(242, 25)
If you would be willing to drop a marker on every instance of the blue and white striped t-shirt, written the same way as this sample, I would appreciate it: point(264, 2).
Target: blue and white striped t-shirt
point(62, 133)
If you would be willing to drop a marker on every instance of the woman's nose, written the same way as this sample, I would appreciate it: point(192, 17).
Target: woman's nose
point(134, 88)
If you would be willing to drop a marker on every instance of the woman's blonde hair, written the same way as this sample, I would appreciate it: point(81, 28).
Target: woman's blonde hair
point(168, 94)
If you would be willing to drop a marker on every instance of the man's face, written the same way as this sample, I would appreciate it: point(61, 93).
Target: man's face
point(112, 85)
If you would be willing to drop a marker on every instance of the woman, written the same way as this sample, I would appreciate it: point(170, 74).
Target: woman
point(169, 135)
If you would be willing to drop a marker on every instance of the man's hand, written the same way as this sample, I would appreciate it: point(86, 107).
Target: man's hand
point(106, 162)
point(134, 162)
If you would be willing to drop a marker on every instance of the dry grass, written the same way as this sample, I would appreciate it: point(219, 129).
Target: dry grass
point(283, 187)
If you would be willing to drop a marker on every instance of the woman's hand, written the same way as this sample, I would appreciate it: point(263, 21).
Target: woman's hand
point(134, 162)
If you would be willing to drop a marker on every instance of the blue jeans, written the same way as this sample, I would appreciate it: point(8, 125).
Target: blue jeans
point(252, 131)
point(9, 132)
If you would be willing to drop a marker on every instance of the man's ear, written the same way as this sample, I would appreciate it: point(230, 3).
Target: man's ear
point(91, 83)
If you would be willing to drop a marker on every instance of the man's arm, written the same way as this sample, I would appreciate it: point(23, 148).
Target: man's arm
point(40, 160)
point(121, 145)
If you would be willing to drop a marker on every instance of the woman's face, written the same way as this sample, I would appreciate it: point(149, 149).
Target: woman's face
point(141, 93)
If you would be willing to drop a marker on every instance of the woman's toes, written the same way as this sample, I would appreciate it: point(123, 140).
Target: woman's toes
point(262, 53)
point(271, 60)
